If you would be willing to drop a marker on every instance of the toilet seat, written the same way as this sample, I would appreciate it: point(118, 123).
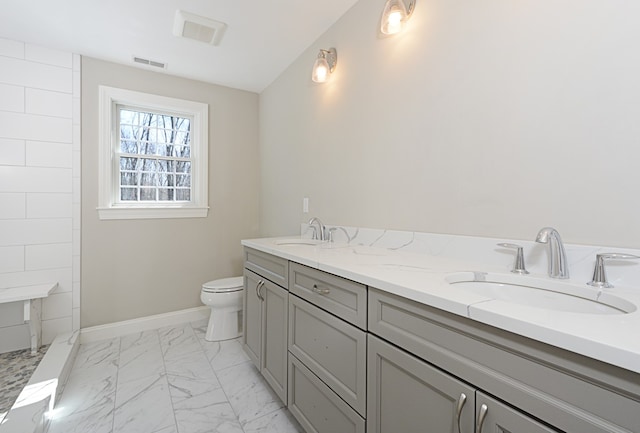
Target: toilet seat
point(224, 285)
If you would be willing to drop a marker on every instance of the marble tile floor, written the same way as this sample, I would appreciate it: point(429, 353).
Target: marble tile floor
point(16, 369)
point(169, 380)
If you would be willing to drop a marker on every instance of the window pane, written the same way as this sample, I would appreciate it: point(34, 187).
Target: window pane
point(148, 194)
point(183, 195)
point(183, 167)
point(183, 180)
point(165, 194)
point(148, 179)
point(128, 194)
point(128, 178)
point(163, 142)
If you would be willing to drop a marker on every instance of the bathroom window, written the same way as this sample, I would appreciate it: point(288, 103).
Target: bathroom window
point(153, 156)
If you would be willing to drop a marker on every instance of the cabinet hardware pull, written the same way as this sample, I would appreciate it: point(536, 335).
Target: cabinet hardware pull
point(321, 291)
point(258, 288)
point(461, 401)
point(481, 416)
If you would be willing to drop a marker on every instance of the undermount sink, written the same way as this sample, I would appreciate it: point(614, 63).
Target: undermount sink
point(541, 293)
point(295, 241)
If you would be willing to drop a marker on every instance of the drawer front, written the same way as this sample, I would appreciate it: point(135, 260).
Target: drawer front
point(316, 407)
point(268, 266)
point(343, 298)
point(333, 349)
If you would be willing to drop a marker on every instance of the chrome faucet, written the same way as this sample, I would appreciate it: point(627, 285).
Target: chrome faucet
point(599, 274)
point(319, 233)
point(558, 266)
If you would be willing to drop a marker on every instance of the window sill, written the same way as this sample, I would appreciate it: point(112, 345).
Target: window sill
point(134, 213)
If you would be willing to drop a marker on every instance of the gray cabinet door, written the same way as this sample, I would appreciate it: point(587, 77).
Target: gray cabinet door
point(316, 406)
point(265, 319)
point(408, 395)
point(274, 337)
point(252, 318)
point(333, 349)
point(493, 416)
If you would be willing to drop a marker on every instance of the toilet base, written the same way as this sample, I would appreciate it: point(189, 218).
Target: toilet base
point(224, 324)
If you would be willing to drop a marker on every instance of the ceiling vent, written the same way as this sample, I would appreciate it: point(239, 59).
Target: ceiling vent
point(188, 25)
point(149, 62)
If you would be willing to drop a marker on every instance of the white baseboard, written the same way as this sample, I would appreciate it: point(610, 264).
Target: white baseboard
point(118, 329)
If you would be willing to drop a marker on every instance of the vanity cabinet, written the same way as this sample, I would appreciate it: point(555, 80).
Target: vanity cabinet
point(407, 394)
point(327, 351)
point(347, 358)
point(565, 391)
point(265, 319)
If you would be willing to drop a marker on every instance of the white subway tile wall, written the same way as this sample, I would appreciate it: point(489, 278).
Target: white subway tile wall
point(39, 185)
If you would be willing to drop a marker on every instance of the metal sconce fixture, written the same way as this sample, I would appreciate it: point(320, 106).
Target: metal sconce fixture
point(395, 15)
point(325, 65)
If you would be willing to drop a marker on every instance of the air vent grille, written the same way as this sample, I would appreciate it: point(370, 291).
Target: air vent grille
point(191, 26)
point(148, 62)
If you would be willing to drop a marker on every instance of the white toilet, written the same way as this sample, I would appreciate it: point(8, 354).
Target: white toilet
point(225, 299)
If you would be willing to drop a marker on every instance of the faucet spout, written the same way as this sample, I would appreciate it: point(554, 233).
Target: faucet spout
point(558, 265)
point(320, 232)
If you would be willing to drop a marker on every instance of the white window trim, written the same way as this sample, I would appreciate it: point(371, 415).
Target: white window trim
point(108, 205)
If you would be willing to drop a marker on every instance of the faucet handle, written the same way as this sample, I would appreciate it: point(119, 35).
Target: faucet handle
point(599, 274)
point(314, 235)
point(518, 265)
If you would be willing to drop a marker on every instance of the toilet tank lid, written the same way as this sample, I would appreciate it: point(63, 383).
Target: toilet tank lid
point(224, 284)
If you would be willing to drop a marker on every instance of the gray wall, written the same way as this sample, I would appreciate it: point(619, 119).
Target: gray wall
point(136, 268)
point(489, 118)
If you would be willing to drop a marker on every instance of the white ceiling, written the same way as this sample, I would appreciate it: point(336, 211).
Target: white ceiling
point(262, 38)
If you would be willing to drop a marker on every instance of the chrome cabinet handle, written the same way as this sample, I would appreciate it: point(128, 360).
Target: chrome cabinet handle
point(481, 416)
point(320, 291)
point(258, 288)
point(461, 401)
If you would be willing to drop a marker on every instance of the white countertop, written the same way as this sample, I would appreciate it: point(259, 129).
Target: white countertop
point(421, 277)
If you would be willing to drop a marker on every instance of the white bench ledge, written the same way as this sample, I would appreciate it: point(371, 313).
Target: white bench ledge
point(31, 296)
point(25, 293)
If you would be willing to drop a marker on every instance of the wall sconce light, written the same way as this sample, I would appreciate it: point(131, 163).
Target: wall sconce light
point(325, 65)
point(395, 15)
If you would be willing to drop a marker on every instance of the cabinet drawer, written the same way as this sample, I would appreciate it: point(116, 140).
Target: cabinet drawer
point(343, 298)
point(270, 267)
point(333, 349)
point(316, 407)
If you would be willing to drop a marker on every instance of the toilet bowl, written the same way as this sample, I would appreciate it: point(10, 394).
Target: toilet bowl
point(225, 299)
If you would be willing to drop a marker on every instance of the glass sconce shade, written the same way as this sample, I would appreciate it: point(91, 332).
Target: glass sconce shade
point(324, 65)
point(395, 15)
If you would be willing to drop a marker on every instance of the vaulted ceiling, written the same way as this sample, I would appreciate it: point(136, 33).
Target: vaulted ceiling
point(262, 37)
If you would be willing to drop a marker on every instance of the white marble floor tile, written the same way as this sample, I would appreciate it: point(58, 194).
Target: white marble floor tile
point(97, 361)
point(140, 356)
point(178, 340)
point(170, 429)
point(189, 390)
point(218, 418)
point(223, 354)
point(201, 406)
point(169, 380)
point(143, 406)
point(248, 393)
point(194, 364)
point(279, 421)
point(73, 415)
